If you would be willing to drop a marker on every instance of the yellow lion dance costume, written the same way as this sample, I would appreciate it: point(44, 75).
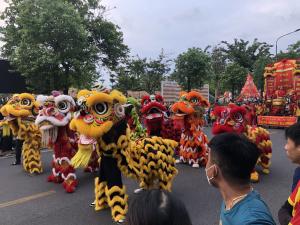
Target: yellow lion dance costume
point(19, 114)
point(101, 121)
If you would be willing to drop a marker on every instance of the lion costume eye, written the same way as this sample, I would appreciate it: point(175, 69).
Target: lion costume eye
point(238, 117)
point(101, 108)
point(194, 100)
point(146, 102)
point(26, 102)
point(63, 106)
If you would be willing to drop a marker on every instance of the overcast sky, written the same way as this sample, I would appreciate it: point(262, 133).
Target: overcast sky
point(150, 25)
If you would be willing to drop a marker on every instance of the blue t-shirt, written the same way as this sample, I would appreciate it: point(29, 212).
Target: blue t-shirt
point(296, 177)
point(251, 210)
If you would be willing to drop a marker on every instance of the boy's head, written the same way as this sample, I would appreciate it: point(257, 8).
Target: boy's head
point(156, 207)
point(292, 145)
point(232, 158)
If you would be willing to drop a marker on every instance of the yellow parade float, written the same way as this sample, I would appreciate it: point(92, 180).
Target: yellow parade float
point(281, 93)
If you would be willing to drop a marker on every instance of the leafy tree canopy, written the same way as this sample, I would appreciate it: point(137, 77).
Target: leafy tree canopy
point(244, 53)
point(234, 78)
point(57, 44)
point(191, 68)
point(293, 52)
point(143, 74)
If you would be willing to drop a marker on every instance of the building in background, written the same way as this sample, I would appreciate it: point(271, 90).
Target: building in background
point(170, 91)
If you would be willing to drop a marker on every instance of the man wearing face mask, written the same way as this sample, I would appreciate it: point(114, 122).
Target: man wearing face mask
point(231, 160)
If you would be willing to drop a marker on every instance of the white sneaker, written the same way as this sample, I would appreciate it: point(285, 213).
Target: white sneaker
point(195, 165)
point(177, 161)
point(121, 221)
point(92, 204)
point(138, 190)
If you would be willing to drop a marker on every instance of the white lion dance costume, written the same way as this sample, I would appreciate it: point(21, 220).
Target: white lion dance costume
point(102, 121)
point(53, 121)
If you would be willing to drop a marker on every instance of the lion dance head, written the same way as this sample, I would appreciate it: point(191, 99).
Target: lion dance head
point(229, 118)
point(20, 109)
point(189, 109)
point(97, 112)
point(55, 111)
point(153, 112)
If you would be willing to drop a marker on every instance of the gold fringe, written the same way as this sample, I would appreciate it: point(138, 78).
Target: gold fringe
point(82, 157)
point(6, 130)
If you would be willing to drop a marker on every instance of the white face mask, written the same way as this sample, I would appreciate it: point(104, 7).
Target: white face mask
point(209, 178)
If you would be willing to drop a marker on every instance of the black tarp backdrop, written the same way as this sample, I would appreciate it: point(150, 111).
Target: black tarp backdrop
point(10, 80)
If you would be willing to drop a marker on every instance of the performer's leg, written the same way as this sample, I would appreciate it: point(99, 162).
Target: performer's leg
point(265, 162)
point(68, 174)
point(100, 185)
point(56, 174)
point(165, 185)
point(18, 149)
point(100, 197)
point(115, 191)
point(117, 201)
point(254, 176)
point(93, 163)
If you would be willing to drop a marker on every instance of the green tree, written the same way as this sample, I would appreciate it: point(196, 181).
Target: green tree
point(129, 74)
point(293, 52)
point(218, 67)
point(234, 78)
point(143, 74)
point(191, 68)
point(156, 71)
point(244, 53)
point(57, 44)
point(258, 71)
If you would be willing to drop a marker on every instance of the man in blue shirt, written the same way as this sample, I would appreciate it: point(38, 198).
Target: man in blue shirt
point(296, 177)
point(231, 160)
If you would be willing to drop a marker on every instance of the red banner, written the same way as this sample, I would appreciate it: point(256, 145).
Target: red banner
point(269, 87)
point(278, 121)
point(284, 75)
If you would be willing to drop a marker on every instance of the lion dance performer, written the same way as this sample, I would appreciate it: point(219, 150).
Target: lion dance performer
point(146, 160)
point(189, 112)
point(19, 114)
point(155, 118)
point(53, 121)
point(232, 118)
point(87, 155)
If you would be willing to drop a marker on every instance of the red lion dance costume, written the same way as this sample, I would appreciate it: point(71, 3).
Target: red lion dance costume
point(232, 118)
point(53, 121)
point(155, 118)
point(189, 116)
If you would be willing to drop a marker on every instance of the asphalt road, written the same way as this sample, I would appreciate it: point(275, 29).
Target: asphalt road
point(31, 200)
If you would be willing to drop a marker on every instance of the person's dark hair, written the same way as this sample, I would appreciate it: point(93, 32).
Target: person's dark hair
point(235, 155)
point(293, 133)
point(156, 207)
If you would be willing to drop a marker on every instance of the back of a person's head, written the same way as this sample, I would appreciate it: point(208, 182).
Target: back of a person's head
point(235, 155)
point(293, 133)
point(156, 207)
